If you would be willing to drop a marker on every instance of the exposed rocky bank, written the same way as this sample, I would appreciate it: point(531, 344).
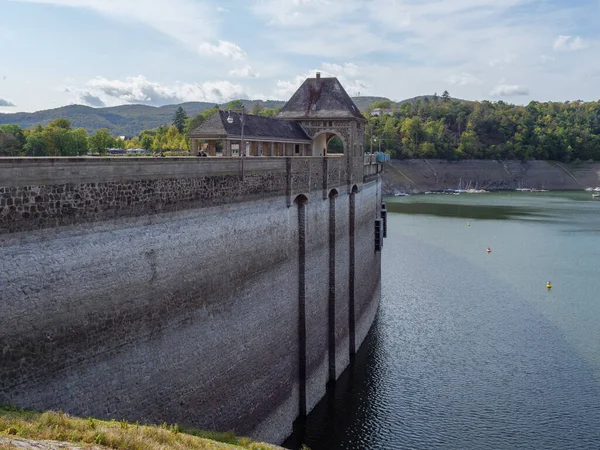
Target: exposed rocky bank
point(419, 175)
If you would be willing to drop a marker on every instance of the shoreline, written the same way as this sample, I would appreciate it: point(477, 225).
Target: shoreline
point(419, 176)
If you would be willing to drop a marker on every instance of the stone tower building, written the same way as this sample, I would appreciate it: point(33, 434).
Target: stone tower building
point(324, 110)
point(319, 111)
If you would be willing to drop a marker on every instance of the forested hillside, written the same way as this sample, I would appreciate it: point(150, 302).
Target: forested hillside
point(421, 127)
point(441, 127)
point(131, 120)
point(124, 120)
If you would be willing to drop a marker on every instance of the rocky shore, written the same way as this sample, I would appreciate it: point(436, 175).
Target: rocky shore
point(419, 175)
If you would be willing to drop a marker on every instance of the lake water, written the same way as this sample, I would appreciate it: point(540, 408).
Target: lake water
point(469, 349)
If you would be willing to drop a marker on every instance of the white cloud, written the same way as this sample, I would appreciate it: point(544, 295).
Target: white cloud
point(6, 103)
point(303, 13)
point(569, 44)
point(392, 15)
point(464, 79)
point(546, 58)
point(138, 89)
point(345, 73)
point(225, 49)
point(506, 90)
point(341, 71)
point(503, 61)
point(339, 40)
point(187, 21)
point(243, 72)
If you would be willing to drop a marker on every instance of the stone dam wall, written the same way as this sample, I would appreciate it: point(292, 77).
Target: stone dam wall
point(420, 175)
point(170, 290)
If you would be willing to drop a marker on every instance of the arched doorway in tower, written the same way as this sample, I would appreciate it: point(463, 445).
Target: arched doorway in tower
point(328, 143)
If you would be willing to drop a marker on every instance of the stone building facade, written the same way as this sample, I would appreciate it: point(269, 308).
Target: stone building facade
point(319, 111)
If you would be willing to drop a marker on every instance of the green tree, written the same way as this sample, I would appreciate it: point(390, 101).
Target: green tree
point(269, 112)
point(100, 141)
point(12, 139)
point(61, 123)
point(147, 142)
point(235, 104)
point(58, 141)
point(179, 119)
point(257, 109)
point(35, 145)
point(9, 144)
point(445, 97)
point(79, 139)
point(383, 104)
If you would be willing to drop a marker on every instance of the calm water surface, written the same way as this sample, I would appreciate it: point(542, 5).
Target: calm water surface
point(469, 349)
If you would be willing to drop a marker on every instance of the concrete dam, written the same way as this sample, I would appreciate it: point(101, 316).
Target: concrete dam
point(184, 290)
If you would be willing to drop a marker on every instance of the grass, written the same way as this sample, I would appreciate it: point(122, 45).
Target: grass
point(121, 435)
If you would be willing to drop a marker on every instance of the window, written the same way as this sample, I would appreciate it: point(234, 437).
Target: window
point(297, 148)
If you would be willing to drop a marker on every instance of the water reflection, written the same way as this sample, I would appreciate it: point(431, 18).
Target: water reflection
point(470, 350)
point(486, 212)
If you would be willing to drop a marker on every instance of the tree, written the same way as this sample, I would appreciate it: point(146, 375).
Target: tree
point(58, 141)
point(79, 139)
point(12, 139)
point(172, 140)
point(100, 141)
point(383, 104)
point(9, 145)
point(61, 123)
point(35, 145)
point(335, 146)
point(445, 97)
point(147, 142)
point(257, 109)
point(235, 104)
point(269, 112)
point(179, 119)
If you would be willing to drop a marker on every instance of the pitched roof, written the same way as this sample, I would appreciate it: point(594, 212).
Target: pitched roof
point(254, 127)
point(320, 98)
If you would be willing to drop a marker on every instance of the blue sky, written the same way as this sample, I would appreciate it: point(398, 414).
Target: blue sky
point(110, 52)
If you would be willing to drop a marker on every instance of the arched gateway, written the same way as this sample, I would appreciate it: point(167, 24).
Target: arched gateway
point(324, 109)
point(319, 111)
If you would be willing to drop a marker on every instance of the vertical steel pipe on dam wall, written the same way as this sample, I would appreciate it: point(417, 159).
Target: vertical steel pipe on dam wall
point(171, 291)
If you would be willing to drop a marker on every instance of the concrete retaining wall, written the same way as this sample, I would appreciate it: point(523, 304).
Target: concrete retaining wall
point(188, 312)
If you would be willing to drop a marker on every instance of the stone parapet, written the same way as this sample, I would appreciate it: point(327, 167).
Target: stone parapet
point(37, 193)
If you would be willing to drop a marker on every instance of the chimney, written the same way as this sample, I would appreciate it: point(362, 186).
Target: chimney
point(318, 75)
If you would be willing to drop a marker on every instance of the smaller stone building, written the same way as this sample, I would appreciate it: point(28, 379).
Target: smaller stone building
point(317, 112)
point(263, 136)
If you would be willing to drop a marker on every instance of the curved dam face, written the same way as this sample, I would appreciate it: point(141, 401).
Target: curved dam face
point(173, 291)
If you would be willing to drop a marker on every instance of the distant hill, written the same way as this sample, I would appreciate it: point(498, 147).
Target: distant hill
point(123, 120)
point(130, 120)
point(364, 103)
point(428, 97)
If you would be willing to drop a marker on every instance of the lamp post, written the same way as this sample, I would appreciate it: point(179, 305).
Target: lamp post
point(243, 146)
